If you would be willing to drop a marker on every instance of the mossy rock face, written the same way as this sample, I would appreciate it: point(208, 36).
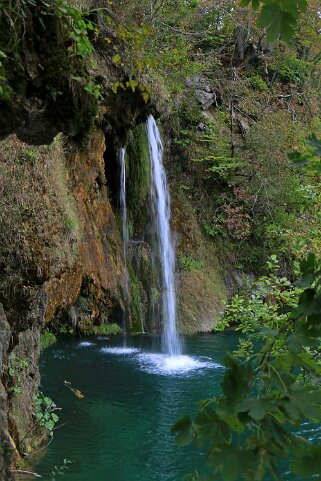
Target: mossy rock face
point(138, 180)
point(147, 280)
point(41, 232)
point(200, 284)
point(136, 309)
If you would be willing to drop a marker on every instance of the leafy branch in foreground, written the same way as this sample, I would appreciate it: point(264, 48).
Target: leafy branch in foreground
point(249, 430)
point(279, 17)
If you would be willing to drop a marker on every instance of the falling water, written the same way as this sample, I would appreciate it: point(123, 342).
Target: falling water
point(161, 205)
point(123, 209)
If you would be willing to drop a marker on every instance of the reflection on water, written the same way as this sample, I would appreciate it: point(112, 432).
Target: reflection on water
point(120, 431)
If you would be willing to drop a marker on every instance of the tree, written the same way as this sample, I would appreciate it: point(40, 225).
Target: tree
point(250, 429)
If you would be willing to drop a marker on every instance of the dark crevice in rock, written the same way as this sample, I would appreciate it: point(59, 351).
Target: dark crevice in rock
point(112, 169)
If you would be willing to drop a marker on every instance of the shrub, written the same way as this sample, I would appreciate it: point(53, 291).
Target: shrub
point(189, 263)
point(107, 329)
point(47, 339)
point(294, 70)
point(257, 82)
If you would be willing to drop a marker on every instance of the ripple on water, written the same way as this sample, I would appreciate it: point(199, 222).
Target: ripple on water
point(120, 350)
point(174, 365)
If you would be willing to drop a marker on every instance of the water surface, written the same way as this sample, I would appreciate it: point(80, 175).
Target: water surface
point(120, 431)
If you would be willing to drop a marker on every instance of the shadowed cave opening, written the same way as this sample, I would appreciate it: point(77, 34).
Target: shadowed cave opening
point(113, 144)
point(112, 169)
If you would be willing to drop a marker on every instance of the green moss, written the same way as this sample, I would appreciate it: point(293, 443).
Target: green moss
point(136, 317)
point(138, 178)
point(34, 237)
point(107, 329)
point(47, 339)
point(200, 282)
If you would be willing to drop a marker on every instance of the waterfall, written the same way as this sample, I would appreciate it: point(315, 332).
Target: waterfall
point(161, 208)
point(123, 209)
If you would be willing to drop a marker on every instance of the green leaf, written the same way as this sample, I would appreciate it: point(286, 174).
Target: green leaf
point(132, 84)
point(116, 59)
point(277, 22)
point(257, 408)
point(184, 431)
point(145, 96)
point(308, 463)
point(236, 380)
point(304, 401)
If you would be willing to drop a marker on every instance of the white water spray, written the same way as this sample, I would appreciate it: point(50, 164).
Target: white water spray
point(161, 205)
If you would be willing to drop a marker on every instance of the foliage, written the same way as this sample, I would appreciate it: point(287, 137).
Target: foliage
point(155, 49)
point(262, 307)
point(72, 28)
point(214, 149)
point(77, 29)
point(107, 329)
point(215, 228)
point(44, 411)
point(16, 367)
point(257, 82)
point(65, 330)
point(250, 427)
point(294, 70)
point(189, 263)
point(47, 339)
point(279, 17)
point(5, 90)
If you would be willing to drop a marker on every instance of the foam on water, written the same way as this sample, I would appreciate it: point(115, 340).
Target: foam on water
point(85, 344)
point(119, 350)
point(174, 365)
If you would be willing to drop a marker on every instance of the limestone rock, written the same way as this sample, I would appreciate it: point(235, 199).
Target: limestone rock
point(4, 336)
point(206, 99)
point(205, 91)
point(5, 445)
